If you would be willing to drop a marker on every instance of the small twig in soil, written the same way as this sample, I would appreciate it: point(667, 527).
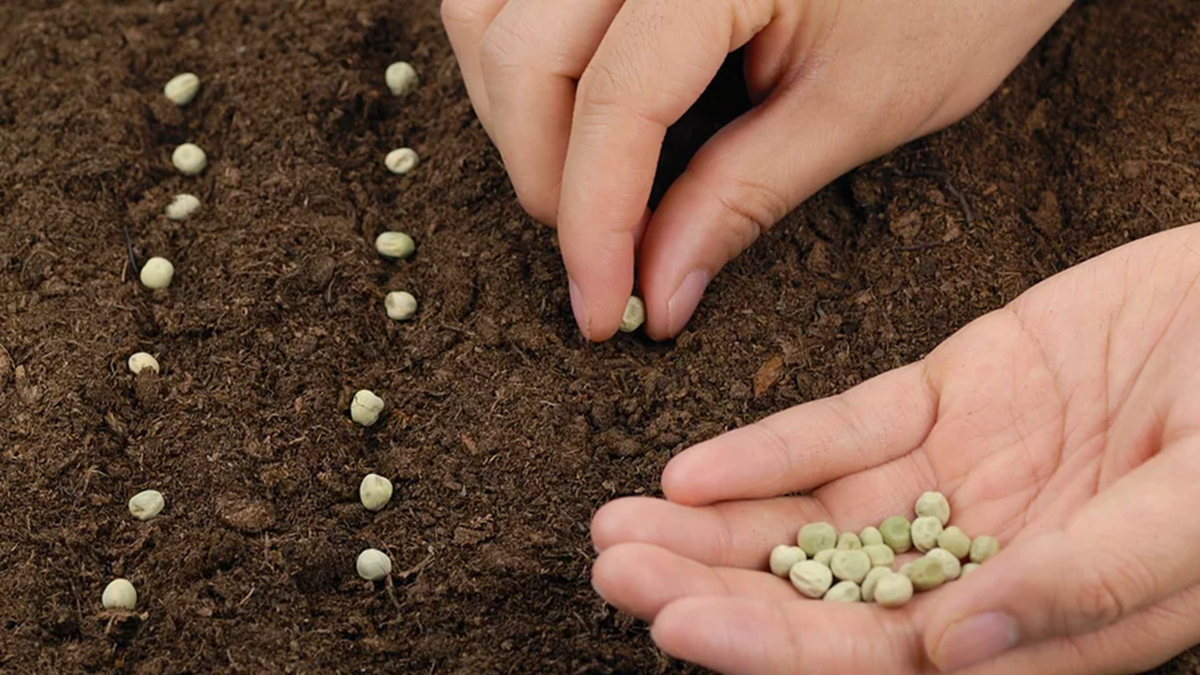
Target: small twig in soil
point(948, 185)
point(921, 246)
point(129, 250)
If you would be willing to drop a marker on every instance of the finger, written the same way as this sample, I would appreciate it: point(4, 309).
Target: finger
point(736, 534)
point(740, 184)
point(466, 22)
point(640, 580)
point(532, 54)
point(652, 65)
point(755, 637)
point(874, 423)
point(1134, 545)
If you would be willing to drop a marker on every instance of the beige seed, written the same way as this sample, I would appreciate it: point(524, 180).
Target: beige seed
point(968, 568)
point(897, 534)
point(955, 541)
point(182, 206)
point(146, 504)
point(846, 591)
point(816, 537)
point(634, 316)
point(983, 548)
point(934, 505)
point(893, 590)
point(366, 407)
point(402, 160)
point(374, 492)
point(870, 536)
point(395, 245)
point(926, 574)
point(141, 361)
point(119, 594)
point(189, 159)
point(949, 562)
point(182, 88)
point(783, 558)
point(157, 273)
point(825, 557)
point(848, 541)
point(925, 533)
point(401, 78)
point(400, 305)
point(850, 565)
point(873, 577)
point(373, 565)
point(880, 555)
point(811, 579)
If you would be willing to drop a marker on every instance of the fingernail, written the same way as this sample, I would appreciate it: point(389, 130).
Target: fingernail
point(683, 304)
point(581, 315)
point(975, 640)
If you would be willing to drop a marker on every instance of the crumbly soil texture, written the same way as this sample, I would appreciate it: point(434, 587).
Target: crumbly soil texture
point(504, 431)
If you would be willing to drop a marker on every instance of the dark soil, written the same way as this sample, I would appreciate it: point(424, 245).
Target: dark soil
point(505, 430)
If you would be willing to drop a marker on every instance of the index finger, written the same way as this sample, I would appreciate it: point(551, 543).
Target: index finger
point(652, 65)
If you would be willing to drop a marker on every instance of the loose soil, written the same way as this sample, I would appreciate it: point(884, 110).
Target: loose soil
point(505, 431)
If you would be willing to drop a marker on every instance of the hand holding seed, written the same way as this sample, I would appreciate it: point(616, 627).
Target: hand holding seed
point(1094, 504)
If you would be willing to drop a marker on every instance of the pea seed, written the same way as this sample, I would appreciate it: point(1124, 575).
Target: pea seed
point(925, 532)
point(812, 579)
point(949, 562)
point(634, 316)
point(850, 565)
point(182, 206)
point(968, 568)
point(880, 555)
point(402, 160)
point(400, 305)
point(157, 273)
point(893, 590)
point(869, 584)
point(366, 407)
point(870, 536)
point(401, 78)
point(182, 88)
point(983, 548)
point(146, 504)
point(189, 159)
point(140, 361)
point(848, 541)
point(897, 534)
point(955, 541)
point(394, 245)
point(846, 591)
point(783, 558)
point(934, 505)
point(905, 568)
point(825, 557)
point(373, 565)
point(375, 492)
point(119, 594)
point(816, 537)
point(926, 574)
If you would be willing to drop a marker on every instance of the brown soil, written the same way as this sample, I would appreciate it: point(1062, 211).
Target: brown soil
point(505, 431)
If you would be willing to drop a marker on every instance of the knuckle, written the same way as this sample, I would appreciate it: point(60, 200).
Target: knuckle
point(755, 207)
point(1099, 598)
point(461, 12)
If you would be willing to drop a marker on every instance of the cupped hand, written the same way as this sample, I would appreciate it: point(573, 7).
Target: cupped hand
point(578, 95)
point(1066, 424)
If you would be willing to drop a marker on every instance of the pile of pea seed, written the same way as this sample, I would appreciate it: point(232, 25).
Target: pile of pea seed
point(861, 564)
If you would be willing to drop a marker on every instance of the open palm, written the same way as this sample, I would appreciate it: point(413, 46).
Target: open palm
point(1066, 424)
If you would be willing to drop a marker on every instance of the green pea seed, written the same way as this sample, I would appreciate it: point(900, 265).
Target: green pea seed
point(893, 591)
point(926, 574)
point(811, 579)
point(870, 536)
point(956, 541)
point(873, 577)
point(846, 591)
point(848, 541)
point(897, 534)
point(984, 548)
point(934, 505)
point(968, 568)
point(816, 537)
point(850, 565)
point(880, 555)
point(925, 533)
point(783, 558)
point(949, 562)
point(825, 557)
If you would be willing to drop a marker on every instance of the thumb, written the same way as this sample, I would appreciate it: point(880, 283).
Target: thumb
point(746, 178)
point(1132, 546)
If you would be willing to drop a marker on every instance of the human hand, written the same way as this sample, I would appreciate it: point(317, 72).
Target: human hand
point(578, 94)
point(1066, 424)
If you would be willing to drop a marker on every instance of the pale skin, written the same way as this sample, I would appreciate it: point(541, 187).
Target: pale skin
point(1066, 424)
point(578, 94)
